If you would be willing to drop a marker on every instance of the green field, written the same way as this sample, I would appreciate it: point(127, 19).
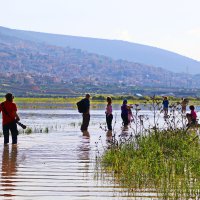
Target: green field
point(53, 102)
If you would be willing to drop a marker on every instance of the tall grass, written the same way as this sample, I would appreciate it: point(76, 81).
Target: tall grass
point(163, 160)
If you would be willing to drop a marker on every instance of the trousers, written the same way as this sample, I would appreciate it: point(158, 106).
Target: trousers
point(12, 127)
point(124, 119)
point(109, 119)
point(85, 122)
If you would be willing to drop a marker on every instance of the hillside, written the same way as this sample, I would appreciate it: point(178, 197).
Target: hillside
point(29, 68)
point(114, 49)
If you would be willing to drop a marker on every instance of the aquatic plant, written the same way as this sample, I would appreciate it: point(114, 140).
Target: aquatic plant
point(28, 131)
point(35, 129)
point(46, 130)
point(73, 124)
point(163, 159)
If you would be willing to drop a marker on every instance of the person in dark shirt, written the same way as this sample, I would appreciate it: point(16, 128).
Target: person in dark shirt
point(124, 113)
point(86, 113)
point(9, 118)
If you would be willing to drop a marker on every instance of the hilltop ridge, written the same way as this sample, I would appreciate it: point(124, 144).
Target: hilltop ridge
point(30, 68)
point(115, 49)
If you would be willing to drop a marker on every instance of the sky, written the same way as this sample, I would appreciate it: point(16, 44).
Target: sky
point(172, 25)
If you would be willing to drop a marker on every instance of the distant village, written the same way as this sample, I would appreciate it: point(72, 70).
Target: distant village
point(34, 69)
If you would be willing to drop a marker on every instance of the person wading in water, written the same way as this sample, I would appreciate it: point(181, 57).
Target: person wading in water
point(9, 119)
point(86, 113)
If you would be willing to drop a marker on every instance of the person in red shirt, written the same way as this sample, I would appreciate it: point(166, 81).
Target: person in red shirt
point(9, 118)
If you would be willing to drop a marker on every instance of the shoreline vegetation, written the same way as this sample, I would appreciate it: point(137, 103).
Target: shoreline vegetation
point(165, 162)
point(69, 102)
point(161, 159)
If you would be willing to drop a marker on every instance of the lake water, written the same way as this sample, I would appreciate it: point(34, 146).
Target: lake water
point(59, 164)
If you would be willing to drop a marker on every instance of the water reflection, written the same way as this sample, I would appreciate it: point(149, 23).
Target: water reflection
point(9, 170)
point(83, 151)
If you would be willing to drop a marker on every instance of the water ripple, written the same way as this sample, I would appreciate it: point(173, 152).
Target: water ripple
point(58, 165)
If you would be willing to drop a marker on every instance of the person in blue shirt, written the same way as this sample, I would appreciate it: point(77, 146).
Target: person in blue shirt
point(165, 106)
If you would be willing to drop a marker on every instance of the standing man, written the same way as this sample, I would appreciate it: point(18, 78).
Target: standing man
point(165, 106)
point(9, 118)
point(86, 113)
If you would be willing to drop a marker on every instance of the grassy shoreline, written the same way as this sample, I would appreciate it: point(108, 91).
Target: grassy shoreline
point(53, 102)
point(63, 100)
point(166, 162)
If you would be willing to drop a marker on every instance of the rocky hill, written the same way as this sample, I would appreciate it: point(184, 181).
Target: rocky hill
point(114, 49)
point(29, 68)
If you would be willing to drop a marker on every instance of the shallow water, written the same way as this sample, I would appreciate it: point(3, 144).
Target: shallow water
point(59, 164)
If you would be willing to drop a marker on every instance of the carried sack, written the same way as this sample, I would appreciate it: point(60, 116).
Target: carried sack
point(81, 106)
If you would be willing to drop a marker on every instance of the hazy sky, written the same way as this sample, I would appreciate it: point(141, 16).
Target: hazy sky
point(169, 24)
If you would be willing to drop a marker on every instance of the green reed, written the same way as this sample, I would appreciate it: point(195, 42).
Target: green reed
point(34, 129)
point(166, 161)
